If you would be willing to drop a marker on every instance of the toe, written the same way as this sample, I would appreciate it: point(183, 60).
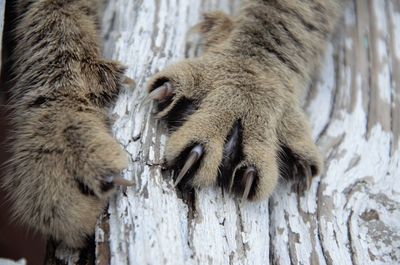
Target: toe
point(232, 156)
point(199, 143)
point(299, 157)
point(254, 171)
point(261, 165)
point(215, 28)
point(96, 159)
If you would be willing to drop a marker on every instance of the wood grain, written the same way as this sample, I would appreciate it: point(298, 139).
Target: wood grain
point(351, 215)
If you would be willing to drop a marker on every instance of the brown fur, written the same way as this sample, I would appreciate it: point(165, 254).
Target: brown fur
point(61, 144)
point(253, 70)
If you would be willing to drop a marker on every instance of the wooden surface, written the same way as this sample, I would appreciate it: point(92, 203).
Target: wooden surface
point(351, 215)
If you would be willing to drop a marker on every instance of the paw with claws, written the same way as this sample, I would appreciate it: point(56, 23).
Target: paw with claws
point(65, 167)
point(233, 121)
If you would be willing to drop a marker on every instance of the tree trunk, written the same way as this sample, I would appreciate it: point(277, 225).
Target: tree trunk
point(351, 214)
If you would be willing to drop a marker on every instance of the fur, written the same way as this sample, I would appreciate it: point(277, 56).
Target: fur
point(253, 70)
point(61, 143)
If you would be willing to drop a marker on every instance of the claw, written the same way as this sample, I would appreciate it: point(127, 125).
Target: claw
point(160, 93)
point(306, 179)
point(233, 179)
point(295, 173)
point(118, 181)
point(122, 182)
point(128, 82)
point(231, 184)
point(248, 176)
point(299, 188)
point(194, 156)
point(308, 175)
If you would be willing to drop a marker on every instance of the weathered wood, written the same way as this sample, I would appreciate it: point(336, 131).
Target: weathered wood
point(351, 215)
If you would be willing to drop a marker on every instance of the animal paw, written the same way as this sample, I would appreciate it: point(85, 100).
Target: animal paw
point(65, 163)
point(65, 167)
point(233, 122)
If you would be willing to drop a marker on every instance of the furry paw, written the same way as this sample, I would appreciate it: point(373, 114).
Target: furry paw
point(233, 121)
point(65, 163)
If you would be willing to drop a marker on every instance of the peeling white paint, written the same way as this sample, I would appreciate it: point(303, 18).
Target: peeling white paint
point(333, 223)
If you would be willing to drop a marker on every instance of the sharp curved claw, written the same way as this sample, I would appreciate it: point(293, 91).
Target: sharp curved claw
point(299, 188)
point(306, 179)
point(194, 156)
point(295, 173)
point(118, 181)
point(233, 178)
point(128, 82)
point(122, 182)
point(160, 93)
point(308, 175)
point(248, 176)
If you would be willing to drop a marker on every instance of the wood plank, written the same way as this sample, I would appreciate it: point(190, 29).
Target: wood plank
point(351, 215)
